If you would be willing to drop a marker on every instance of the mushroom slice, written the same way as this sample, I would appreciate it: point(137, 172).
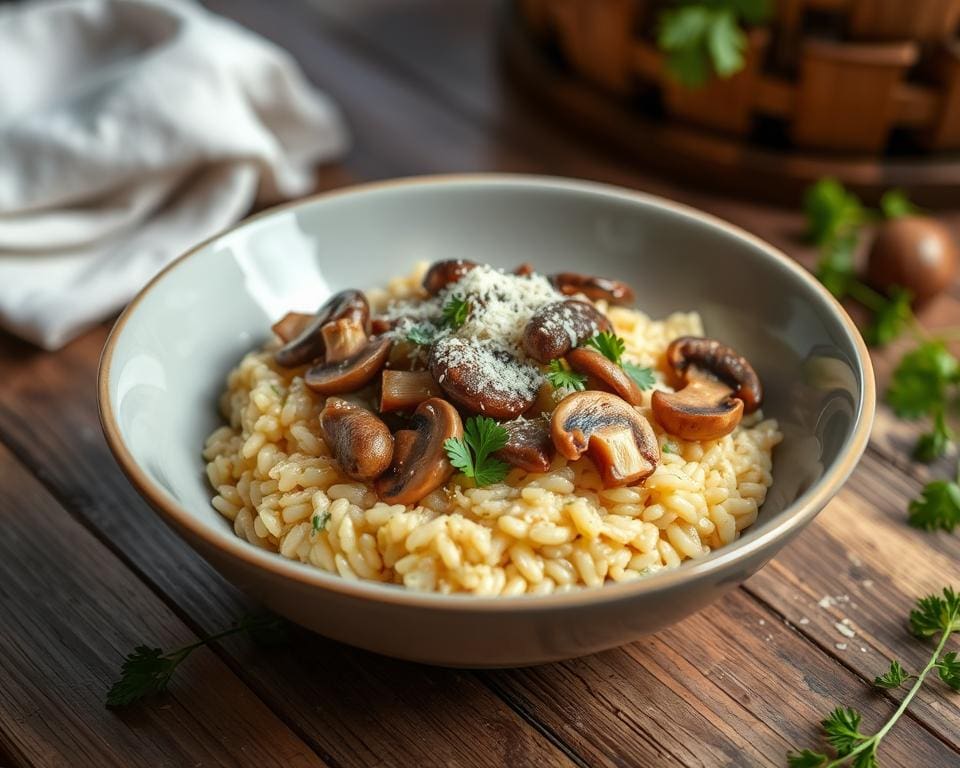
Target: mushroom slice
point(351, 373)
point(594, 288)
point(309, 344)
point(402, 390)
point(290, 325)
point(343, 338)
point(420, 464)
point(529, 445)
point(483, 379)
point(604, 374)
point(716, 386)
point(442, 273)
point(556, 328)
point(360, 442)
point(617, 438)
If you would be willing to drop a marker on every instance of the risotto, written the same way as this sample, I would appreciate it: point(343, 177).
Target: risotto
point(467, 430)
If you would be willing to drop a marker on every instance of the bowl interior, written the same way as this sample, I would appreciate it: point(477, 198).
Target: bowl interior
point(176, 343)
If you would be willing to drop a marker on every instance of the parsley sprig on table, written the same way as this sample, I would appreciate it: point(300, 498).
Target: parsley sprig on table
point(704, 37)
point(937, 507)
point(470, 454)
point(147, 671)
point(934, 615)
point(612, 347)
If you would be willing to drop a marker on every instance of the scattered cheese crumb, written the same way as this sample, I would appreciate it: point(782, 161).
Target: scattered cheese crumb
point(804, 620)
point(841, 646)
point(761, 622)
point(844, 628)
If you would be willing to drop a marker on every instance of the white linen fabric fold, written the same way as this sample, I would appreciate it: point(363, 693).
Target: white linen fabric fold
point(129, 131)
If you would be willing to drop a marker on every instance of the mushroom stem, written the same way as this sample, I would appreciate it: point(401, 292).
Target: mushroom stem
point(343, 338)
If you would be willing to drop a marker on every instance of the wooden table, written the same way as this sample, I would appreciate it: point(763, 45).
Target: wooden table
point(87, 570)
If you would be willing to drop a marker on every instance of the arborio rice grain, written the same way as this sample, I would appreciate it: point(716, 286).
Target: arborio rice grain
point(533, 533)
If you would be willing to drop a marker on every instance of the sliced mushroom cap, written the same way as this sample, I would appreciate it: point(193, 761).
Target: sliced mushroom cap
point(483, 379)
point(717, 386)
point(291, 325)
point(593, 287)
point(402, 390)
point(359, 441)
point(343, 338)
point(529, 444)
point(309, 344)
point(350, 374)
point(604, 374)
point(617, 438)
point(420, 464)
point(556, 328)
point(442, 273)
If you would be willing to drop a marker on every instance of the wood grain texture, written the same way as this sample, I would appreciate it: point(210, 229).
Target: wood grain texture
point(71, 612)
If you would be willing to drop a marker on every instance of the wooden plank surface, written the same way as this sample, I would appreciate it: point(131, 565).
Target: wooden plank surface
point(736, 685)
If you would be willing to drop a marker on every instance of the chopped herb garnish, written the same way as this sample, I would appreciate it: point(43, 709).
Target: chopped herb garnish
point(456, 311)
point(608, 344)
point(421, 335)
point(561, 377)
point(470, 454)
point(643, 376)
point(319, 521)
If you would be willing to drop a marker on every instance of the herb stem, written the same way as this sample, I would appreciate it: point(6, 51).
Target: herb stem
point(871, 299)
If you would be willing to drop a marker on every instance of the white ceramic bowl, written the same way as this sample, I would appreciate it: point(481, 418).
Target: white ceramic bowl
point(165, 362)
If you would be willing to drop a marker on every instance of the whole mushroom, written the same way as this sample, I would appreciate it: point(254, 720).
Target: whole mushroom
point(358, 439)
point(915, 252)
point(556, 328)
point(442, 273)
point(593, 287)
point(420, 464)
point(620, 441)
point(716, 386)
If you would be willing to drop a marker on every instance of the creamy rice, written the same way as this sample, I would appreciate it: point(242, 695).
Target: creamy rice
point(533, 533)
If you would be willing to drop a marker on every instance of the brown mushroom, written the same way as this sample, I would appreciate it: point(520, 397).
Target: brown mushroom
point(402, 390)
point(309, 344)
point(716, 386)
point(914, 252)
point(604, 374)
point(617, 438)
point(291, 325)
point(420, 464)
point(351, 373)
point(342, 339)
point(483, 379)
point(359, 441)
point(442, 273)
point(593, 287)
point(556, 328)
point(529, 445)
point(523, 270)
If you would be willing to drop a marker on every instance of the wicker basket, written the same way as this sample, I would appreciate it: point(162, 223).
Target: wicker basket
point(844, 75)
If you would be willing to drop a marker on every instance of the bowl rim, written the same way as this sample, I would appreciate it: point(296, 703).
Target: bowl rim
point(794, 517)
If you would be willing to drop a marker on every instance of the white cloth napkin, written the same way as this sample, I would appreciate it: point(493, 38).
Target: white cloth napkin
point(129, 131)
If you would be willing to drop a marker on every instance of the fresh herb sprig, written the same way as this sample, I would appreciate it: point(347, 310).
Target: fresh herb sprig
point(933, 616)
point(456, 311)
point(937, 507)
point(706, 37)
point(147, 671)
point(612, 347)
point(562, 378)
point(421, 335)
point(471, 454)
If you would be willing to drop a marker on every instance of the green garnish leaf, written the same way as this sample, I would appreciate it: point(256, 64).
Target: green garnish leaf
point(421, 335)
point(936, 615)
point(561, 377)
point(891, 318)
point(938, 507)
point(833, 213)
point(919, 383)
point(949, 669)
point(934, 444)
point(642, 375)
point(893, 677)
point(608, 344)
point(456, 311)
point(470, 454)
point(842, 729)
point(895, 204)
point(835, 268)
point(806, 759)
point(319, 521)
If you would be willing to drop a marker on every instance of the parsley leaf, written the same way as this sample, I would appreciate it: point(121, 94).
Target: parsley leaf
point(919, 383)
point(421, 335)
point(895, 204)
point(806, 759)
point(935, 614)
point(893, 677)
point(835, 268)
point(937, 507)
point(833, 213)
point(609, 345)
point(949, 670)
point(934, 444)
point(456, 311)
point(842, 728)
point(641, 375)
point(147, 671)
point(561, 377)
point(319, 521)
point(470, 454)
point(892, 318)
